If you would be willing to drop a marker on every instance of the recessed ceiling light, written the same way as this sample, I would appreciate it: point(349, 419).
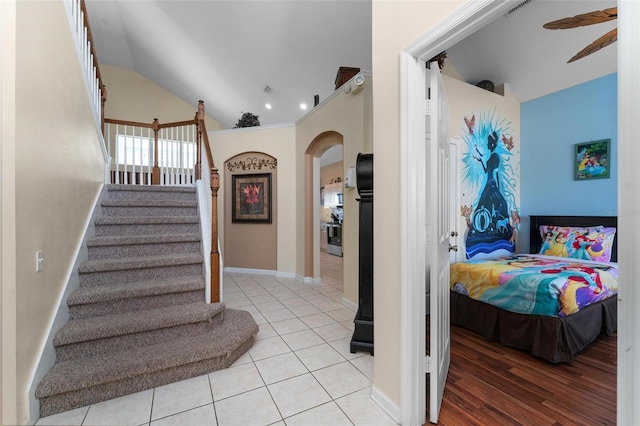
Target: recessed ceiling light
point(267, 106)
point(303, 106)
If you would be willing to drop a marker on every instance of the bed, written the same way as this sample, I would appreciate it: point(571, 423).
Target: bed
point(555, 338)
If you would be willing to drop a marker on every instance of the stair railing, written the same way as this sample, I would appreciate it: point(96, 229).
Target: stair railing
point(170, 154)
point(151, 153)
point(206, 163)
point(79, 23)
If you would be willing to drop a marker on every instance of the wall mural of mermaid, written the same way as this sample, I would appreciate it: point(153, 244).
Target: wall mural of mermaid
point(490, 183)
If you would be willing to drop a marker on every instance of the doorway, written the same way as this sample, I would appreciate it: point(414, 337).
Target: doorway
point(331, 217)
point(321, 143)
point(465, 21)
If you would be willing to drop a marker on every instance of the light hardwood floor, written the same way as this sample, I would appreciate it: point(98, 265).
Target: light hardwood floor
point(489, 384)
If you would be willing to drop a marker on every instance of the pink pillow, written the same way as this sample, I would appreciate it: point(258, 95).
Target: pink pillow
point(591, 243)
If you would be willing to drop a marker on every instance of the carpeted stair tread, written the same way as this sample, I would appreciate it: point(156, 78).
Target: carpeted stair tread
point(237, 328)
point(106, 265)
point(151, 188)
point(141, 239)
point(149, 203)
point(145, 220)
point(104, 293)
point(88, 329)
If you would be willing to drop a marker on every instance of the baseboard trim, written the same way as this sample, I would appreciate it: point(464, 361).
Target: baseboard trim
point(306, 280)
point(309, 280)
point(234, 270)
point(286, 275)
point(386, 404)
point(349, 304)
point(272, 272)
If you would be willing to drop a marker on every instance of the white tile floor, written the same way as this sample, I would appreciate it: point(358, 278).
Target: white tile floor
point(298, 372)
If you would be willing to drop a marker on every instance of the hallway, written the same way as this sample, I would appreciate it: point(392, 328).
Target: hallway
point(298, 372)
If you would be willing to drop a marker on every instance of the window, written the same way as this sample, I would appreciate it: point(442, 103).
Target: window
point(138, 150)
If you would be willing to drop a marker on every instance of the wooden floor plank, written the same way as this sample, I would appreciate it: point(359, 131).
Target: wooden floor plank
point(492, 384)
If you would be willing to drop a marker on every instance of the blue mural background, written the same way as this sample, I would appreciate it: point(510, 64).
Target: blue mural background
point(489, 174)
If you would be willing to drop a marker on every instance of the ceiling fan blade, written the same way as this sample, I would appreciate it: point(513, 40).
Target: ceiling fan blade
point(590, 18)
point(603, 41)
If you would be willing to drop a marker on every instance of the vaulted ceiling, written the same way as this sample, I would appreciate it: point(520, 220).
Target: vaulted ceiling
point(228, 52)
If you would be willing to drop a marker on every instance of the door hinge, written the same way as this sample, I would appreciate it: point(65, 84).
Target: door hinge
point(427, 364)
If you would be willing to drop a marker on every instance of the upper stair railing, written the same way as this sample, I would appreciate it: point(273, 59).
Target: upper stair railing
point(79, 23)
point(151, 153)
point(175, 153)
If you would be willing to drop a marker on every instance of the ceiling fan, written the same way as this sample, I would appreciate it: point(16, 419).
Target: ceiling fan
point(595, 17)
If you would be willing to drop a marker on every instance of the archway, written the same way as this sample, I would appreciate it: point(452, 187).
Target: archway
point(316, 148)
point(251, 168)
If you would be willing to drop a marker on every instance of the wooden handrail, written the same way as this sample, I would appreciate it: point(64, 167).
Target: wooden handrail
point(156, 126)
point(151, 125)
point(214, 182)
point(103, 89)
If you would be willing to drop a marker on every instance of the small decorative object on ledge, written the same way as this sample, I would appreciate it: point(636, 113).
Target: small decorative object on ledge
point(247, 120)
point(344, 75)
point(254, 163)
point(486, 85)
point(440, 57)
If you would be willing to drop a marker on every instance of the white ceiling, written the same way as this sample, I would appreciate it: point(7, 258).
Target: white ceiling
point(531, 60)
point(226, 52)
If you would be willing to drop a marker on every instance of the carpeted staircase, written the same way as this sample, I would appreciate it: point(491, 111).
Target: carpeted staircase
point(139, 318)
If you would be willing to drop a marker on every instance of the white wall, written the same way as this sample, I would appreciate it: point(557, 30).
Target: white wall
point(278, 142)
point(133, 97)
point(54, 170)
point(395, 25)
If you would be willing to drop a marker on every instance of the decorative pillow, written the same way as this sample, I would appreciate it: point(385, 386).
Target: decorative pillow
point(591, 243)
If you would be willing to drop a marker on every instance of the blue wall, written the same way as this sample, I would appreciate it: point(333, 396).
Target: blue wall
point(550, 127)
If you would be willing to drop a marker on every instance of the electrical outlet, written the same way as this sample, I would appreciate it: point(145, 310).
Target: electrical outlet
point(39, 260)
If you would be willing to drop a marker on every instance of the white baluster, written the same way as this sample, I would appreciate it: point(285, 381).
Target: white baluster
point(117, 139)
point(150, 157)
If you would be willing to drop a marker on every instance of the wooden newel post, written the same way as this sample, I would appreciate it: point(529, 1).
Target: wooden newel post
point(199, 116)
point(215, 255)
point(155, 173)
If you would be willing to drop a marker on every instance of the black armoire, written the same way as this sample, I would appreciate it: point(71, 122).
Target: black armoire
point(362, 339)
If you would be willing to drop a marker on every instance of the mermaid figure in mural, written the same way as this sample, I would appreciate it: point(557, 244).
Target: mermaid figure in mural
point(490, 221)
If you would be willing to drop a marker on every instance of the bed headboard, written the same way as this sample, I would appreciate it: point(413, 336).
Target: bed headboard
point(535, 239)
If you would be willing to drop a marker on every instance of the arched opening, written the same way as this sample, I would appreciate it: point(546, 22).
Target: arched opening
point(256, 223)
point(316, 148)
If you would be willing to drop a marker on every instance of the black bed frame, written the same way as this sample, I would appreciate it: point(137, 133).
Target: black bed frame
point(535, 239)
point(555, 339)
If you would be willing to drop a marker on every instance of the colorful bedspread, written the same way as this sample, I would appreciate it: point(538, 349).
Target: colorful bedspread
point(539, 285)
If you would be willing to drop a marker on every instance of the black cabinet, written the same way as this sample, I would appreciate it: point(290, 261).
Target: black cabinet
point(362, 339)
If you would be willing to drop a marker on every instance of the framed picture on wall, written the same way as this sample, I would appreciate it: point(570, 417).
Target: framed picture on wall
point(251, 198)
point(592, 160)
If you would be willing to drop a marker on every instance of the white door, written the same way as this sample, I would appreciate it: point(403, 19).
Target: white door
point(438, 224)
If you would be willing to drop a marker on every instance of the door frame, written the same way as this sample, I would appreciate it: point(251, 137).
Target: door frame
point(455, 188)
point(470, 17)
